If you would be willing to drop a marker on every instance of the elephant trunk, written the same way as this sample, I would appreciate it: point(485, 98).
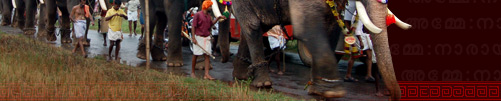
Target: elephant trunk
point(378, 13)
point(224, 39)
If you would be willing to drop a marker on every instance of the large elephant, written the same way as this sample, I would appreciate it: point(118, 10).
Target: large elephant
point(311, 21)
point(65, 6)
point(169, 12)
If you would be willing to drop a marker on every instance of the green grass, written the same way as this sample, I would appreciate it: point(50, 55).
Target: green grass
point(28, 66)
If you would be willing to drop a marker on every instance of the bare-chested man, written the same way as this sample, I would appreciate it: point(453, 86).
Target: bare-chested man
point(78, 16)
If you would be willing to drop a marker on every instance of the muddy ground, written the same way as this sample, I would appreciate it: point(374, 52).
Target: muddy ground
point(291, 83)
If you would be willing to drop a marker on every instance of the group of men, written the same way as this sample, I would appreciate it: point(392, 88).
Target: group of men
point(110, 24)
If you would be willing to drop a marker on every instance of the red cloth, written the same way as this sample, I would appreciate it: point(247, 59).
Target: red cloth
point(202, 24)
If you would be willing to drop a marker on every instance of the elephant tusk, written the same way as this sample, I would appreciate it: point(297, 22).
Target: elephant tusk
point(399, 22)
point(14, 3)
point(103, 5)
point(365, 19)
point(42, 2)
point(215, 9)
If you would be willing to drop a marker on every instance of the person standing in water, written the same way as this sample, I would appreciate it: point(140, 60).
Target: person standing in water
point(78, 16)
point(115, 17)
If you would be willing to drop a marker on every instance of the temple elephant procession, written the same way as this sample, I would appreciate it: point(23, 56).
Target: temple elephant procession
point(317, 25)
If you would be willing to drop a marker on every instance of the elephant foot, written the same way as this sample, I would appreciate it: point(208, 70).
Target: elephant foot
point(141, 50)
point(141, 55)
point(174, 64)
point(261, 75)
point(328, 89)
point(240, 69)
point(42, 33)
point(65, 36)
point(14, 25)
point(175, 61)
point(5, 23)
point(29, 31)
point(51, 37)
point(158, 54)
point(66, 40)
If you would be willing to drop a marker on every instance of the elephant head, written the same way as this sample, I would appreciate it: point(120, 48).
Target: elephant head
point(374, 18)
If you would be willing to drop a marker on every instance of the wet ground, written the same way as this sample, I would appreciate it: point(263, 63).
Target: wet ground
point(291, 83)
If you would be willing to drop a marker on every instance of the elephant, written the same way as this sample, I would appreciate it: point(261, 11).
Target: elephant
point(25, 10)
point(6, 12)
point(65, 6)
point(169, 12)
point(315, 26)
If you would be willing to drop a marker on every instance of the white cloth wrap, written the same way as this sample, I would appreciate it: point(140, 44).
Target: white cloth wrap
point(79, 27)
point(205, 43)
point(114, 35)
point(132, 15)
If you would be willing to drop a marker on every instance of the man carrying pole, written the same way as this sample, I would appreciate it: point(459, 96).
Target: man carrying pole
point(202, 23)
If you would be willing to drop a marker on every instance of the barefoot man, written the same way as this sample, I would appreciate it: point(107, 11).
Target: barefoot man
point(132, 8)
point(78, 15)
point(202, 23)
point(114, 17)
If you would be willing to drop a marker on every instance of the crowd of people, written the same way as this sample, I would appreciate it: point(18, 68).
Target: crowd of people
point(203, 32)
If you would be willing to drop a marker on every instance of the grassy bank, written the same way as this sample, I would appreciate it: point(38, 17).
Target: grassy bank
point(31, 69)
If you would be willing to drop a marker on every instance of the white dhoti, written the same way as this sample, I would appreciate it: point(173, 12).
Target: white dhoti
point(205, 43)
point(131, 15)
point(114, 35)
point(79, 27)
point(276, 43)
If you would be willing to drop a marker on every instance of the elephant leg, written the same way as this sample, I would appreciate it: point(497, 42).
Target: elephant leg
point(252, 32)
point(20, 14)
point(175, 57)
point(242, 60)
point(6, 12)
point(224, 38)
point(41, 21)
point(308, 20)
point(377, 13)
point(29, 26)
point(141, 53)
point(157, 52)
point(259, 67)
point(51, 8)
point(65, 25)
